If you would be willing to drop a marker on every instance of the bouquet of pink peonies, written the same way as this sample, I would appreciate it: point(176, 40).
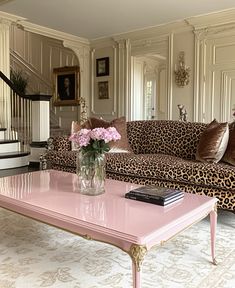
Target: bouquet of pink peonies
point(95, 140)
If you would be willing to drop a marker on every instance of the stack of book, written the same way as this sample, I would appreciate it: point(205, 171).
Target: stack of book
point(155, 195)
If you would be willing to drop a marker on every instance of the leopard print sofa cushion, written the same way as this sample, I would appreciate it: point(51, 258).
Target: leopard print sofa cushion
point(171, 168)
point(61, 158)
point(168, 137)
point(61, 143)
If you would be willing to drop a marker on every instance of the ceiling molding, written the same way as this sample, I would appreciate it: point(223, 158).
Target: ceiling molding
point(102, 42)
point(152, 32)
point(11, 17)
point(51, 33)
point(157, 33)
point(41, 30)
point(212, 19)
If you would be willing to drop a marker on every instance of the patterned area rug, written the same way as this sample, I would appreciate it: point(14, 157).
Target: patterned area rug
point(35, 255)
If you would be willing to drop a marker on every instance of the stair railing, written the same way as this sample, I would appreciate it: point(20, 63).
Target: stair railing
point(19, 122)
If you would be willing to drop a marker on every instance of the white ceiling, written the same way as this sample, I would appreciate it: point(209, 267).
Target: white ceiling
point(99, 18)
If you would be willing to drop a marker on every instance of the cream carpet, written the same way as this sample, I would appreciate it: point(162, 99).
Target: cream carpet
point(36, 255)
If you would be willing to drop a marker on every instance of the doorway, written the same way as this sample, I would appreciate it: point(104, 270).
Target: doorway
point(148, 87)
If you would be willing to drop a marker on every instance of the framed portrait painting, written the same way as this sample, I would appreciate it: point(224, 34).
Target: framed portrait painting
point(103, 90)
point(66, 86)
point(102, 67)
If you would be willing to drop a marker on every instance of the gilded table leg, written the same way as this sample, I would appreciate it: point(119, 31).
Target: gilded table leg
point(213, 224)
point(137, 253)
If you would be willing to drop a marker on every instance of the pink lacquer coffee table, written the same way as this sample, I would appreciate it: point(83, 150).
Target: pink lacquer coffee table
point(53, 197)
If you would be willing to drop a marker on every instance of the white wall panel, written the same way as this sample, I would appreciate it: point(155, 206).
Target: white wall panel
point(225, 53)
point(219, 74)
point(105, 108)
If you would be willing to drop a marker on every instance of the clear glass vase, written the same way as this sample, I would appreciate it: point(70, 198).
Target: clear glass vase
point(91, 172)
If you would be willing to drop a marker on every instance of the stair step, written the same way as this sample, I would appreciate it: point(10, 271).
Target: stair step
point(14, 160)
point(8, 141)
point(3, 129)
point(9, 146)
point(13, 154)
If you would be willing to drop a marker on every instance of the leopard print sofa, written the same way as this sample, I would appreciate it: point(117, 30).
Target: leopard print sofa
point(163, 154)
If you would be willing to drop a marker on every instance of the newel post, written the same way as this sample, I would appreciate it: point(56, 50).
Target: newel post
point(40, 124)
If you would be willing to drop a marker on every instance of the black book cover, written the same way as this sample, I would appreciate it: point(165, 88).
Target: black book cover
point(160, 202)
point(162, 194)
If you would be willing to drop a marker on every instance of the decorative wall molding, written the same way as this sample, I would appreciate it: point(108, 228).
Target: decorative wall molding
point(114, 80)
point(154, 32)
point(10, 17)
point(51, 33)
point(170, 76)
point(213, 19)
point(213, 68)
point(16, 58)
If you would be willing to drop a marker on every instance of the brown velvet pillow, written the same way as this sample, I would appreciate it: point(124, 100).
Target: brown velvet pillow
point(229, 155)
point(121, 145)
point(213, 142)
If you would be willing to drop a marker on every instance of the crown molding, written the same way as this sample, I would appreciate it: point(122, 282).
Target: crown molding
point(213, 19)
point(10, 17)
point(102, 42)
point(150, 32)
point(157, 31)
point(41, 30)
point(51, 33)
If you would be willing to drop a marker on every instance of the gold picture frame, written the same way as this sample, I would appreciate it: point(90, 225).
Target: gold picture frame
point(66, 86)
point(103, 90)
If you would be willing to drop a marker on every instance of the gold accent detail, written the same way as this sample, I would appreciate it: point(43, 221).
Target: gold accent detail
point(215, 208)
point(87, 237)
point(83, 111)
point(214, 262)
point(137, 253)
point(182, 72)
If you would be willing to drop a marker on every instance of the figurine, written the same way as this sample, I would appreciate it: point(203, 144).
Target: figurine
point(183, 113)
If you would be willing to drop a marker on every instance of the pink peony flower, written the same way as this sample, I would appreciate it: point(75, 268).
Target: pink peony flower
point(85, 136)
point(98, 133)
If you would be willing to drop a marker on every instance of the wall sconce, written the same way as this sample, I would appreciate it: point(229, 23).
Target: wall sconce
point(182, 73)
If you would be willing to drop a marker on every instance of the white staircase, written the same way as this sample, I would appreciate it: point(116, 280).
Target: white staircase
point(10, 154)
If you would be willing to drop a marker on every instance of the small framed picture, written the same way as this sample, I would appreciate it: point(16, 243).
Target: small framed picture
point(102, 67)
point(103, 90)
point(66, 86)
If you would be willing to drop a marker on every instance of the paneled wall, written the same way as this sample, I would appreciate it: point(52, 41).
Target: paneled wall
point(106, 108)
point(216, 73)
point(208, 42)
point(220, 79)
point(37, 55)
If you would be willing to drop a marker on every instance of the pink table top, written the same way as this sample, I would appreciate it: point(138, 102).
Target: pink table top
point(56, 194)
